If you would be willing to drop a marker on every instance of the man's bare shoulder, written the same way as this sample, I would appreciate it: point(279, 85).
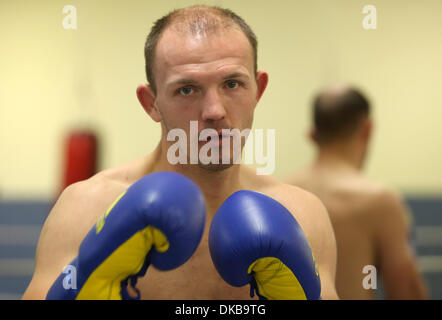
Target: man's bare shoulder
point(297, 198)
point(127, 172)
point(106, 183)
point(304, 205)
point(360, 184)
point(334, 187)
point(98, 187)
point(75, 212)
point(373, 195)
point(81, 203)
point(388, 205)
point(374, 202)
point(299, 177)
point(291, 196)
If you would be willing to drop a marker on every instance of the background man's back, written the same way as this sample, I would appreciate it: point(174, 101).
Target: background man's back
point(371, 222)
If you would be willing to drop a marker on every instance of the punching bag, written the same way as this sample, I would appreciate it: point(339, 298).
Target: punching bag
point(81, 156)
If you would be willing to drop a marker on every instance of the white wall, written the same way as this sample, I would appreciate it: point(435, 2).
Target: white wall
point(52, 79)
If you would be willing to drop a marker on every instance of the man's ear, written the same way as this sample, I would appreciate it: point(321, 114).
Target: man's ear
point(311, 134)
point(146, 96)
point(262, 78)
point(367, 129)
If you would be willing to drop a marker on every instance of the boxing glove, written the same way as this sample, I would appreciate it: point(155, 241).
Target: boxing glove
point(159, 220)
point(254, 239)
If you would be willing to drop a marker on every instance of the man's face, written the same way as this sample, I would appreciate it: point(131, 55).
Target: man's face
point(208, 79)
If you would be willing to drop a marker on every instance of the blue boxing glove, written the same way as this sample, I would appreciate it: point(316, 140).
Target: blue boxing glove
point(254, 239)
point(159, 220)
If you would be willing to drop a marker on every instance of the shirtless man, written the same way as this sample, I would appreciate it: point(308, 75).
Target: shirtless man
point(371, 222)
point(201, 66)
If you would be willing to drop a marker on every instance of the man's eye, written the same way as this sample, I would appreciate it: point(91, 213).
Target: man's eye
point(185, 91)
point(232, 84)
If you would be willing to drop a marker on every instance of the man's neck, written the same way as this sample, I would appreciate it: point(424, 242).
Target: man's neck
point(215, 185)
point(339, 156)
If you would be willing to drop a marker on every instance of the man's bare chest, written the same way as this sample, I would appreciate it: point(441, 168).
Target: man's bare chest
point(197, 279)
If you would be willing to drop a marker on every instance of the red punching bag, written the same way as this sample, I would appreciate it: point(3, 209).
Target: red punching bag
point(81, 156)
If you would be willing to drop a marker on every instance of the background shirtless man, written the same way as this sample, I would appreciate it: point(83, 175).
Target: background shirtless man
point(201, 66)
point(370, 221)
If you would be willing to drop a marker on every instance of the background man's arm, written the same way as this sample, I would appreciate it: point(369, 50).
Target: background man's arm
point(396, 259)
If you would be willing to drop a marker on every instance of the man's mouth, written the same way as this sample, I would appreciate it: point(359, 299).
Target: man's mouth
point(219, 137)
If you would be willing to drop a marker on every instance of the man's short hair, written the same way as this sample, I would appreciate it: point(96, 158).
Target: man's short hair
point(337, 116)
point(195, 20)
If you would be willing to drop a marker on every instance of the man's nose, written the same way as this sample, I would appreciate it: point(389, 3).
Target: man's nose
point(213, 108)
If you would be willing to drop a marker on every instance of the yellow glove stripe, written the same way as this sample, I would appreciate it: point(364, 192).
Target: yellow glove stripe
point(275, 280)
point(100, 223)
point(128, 259)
